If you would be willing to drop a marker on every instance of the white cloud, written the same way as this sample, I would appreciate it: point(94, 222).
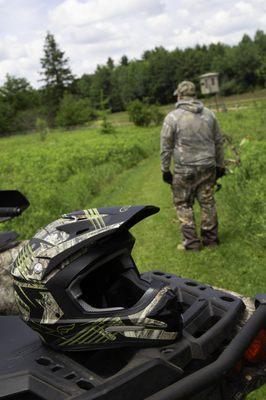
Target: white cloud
point(82, 13)
point(244, 7)
point(10, 48)
point(89, 31)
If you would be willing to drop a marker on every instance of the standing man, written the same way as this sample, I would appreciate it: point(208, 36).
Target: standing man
point(191, 135)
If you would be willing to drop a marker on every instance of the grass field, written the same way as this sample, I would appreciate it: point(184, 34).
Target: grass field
point(68, 169)
point(82, 169)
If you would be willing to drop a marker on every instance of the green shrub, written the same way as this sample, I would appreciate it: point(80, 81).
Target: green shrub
point(25, 121)
point(42, 128)
point(156, 115)
point(142, 114)
point(73, 111)
point(106, 126)
point(21, 121)
point(5, 114)
point(139, 113)
point(231, 87)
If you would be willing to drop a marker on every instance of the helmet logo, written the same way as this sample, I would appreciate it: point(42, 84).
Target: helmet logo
point(38, 268)
point(65, 329)
point(96, 333)
point(124, 209)
point(51, 310)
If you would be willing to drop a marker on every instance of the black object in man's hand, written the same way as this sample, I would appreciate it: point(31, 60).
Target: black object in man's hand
point(168, 177)
point(220, 172)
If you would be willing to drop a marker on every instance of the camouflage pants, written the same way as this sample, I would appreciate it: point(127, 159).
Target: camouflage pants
point(188, 185)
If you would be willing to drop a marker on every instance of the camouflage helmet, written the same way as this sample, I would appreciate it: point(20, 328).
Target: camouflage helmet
point(77, 285)
point(185, 89)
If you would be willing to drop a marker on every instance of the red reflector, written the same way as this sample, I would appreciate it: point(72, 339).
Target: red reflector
point(257, 350)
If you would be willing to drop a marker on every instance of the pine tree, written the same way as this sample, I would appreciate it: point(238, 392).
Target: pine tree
point(110, 63)
point(56, 74)
point(124, 61)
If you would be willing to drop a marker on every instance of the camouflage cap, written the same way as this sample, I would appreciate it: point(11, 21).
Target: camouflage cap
point(185, 88)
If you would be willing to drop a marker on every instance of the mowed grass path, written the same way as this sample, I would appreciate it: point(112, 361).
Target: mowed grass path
point(234, 265)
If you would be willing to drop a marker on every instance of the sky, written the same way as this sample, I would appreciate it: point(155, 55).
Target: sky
point(90, 31)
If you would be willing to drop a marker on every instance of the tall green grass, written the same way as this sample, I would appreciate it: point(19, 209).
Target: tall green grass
point(68, 169)
point(246, 194)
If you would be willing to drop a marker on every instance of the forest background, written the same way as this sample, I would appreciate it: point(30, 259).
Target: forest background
point(66, 100)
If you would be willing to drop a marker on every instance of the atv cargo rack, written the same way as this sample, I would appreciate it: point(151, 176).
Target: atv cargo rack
point(198, 366)
point(12, 204)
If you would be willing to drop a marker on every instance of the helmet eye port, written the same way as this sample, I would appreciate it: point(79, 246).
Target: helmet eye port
point(114, 284)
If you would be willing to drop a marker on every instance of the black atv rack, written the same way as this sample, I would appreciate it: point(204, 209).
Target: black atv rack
point(12, 204)
point(194, 367)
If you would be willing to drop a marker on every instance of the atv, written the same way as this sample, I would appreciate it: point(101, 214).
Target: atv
point(220, 355)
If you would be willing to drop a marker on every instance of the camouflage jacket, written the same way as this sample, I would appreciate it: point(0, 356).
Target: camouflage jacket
point(191, 135)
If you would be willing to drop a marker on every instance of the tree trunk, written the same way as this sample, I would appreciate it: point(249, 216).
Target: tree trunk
point(7, 301)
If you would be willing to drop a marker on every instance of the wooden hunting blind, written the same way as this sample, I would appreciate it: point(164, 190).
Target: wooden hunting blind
point(209, 83)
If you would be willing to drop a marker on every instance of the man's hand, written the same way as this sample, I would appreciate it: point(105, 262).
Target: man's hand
point(220, 172)
point(168, 177)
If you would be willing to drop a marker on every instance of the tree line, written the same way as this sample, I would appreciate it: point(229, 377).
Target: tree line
point(66, 100)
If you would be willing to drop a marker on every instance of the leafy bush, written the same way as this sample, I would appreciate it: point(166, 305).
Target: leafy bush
point(106, 127)
point(231, 87)
point(142, 114)
point(19, 105)
point(74, 112)
point(5, 113)
point(156, 115)
point(42, 128)
point(139, 113)
point(25, 121)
